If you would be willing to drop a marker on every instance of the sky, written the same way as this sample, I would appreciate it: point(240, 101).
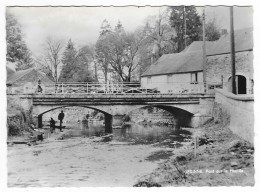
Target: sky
point(82, 24)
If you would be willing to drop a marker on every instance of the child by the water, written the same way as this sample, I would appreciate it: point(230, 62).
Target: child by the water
point(52, 125)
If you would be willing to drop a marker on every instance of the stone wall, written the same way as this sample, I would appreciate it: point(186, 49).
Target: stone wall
point(220, 65)
point(240, 110)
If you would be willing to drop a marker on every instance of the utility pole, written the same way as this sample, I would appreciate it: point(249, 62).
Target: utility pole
point(185, 32)
point(204, 52)
point(232, 47)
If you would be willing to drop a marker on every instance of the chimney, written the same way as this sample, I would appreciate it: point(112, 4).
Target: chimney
point(224, 31)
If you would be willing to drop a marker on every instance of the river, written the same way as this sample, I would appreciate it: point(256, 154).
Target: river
point(80, 160)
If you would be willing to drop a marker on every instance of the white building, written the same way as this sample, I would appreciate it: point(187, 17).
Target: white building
point(177, 73)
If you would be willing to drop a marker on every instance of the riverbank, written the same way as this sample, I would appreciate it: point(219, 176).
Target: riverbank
point(78, 162)
point(222, 159)
point(31, 138)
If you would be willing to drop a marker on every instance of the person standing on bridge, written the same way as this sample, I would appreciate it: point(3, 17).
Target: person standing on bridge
point(60, 117)
point(39, 87)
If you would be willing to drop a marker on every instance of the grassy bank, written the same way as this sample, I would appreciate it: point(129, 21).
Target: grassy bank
point(222, 159)
point(19, 121)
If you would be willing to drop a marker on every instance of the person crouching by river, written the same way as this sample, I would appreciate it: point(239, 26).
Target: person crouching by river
point(52, 125)
point(60, 117)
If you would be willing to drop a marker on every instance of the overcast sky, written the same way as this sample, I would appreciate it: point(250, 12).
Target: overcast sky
point(82, 24)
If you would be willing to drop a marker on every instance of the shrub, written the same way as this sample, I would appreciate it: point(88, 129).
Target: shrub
point(20, 122)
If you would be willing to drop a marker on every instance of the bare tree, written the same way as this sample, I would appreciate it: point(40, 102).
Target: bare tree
point(51, 58)
point(159, 33)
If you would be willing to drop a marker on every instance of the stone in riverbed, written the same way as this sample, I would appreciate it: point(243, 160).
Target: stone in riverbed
point(233, 164)
point(60, 138)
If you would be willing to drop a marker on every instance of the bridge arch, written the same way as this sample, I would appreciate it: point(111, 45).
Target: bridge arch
point(108, 117)
point(66, 106)
point(181, 116)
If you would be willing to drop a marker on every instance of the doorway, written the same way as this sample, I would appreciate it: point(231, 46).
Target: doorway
point(240, 84)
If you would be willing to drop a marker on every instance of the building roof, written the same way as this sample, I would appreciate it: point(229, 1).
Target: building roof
point(197, 45)
point(189, 60)
point(243, 42)
point(19, 74)
point(176, 63)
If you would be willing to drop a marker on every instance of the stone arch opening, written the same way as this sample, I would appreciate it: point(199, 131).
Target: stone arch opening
point(241, 84)
point(180, 116)
point(67, 106)
point(108, 117)
point(183, 117)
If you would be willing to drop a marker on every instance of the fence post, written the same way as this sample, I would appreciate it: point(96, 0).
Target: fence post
point(195, 146)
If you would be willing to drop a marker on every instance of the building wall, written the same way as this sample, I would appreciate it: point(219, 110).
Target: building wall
point(219, 65)
point(174, 83)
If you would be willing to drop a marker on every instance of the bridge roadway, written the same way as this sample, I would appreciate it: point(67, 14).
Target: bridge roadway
point(187, 109)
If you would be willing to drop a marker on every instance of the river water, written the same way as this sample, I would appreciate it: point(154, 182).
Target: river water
point(135, 133)
point(78, 160)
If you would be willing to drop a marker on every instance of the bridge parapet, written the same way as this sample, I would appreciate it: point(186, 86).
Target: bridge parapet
point(240, 108)
point(118, 99)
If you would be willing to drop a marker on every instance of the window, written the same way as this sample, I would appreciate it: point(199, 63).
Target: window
point(194, 78)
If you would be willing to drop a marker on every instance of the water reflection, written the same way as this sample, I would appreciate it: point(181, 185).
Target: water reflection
point(135, 133)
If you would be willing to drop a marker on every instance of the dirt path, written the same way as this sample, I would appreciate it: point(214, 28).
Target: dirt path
point(78, 162)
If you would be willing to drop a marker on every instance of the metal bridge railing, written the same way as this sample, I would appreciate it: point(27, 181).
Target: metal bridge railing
point(92, 88)
point(121, 88)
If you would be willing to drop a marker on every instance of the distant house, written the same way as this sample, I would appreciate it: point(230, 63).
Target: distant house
point(177, 73)
point(219, 65)
point(25, 81)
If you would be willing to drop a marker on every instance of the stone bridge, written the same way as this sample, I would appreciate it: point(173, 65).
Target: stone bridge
point(190, 110)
